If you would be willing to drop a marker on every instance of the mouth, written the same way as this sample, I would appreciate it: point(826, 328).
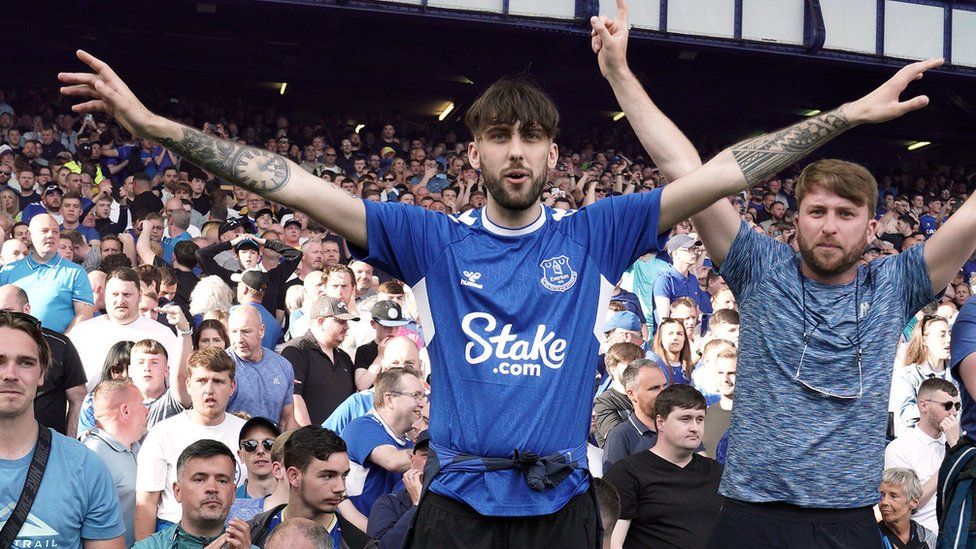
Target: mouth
point(210, 401)
point(516, 177)
point(334, 501)
point(262, 462)
point(216, 502)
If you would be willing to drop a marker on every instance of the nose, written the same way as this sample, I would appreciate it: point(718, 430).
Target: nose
point(516, 148)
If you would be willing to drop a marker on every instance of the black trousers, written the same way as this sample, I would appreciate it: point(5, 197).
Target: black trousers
point(779, 525)
point(443, 523)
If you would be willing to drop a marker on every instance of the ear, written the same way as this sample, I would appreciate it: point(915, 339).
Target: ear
point(27, 308)
point(553, 155)
point(474, 157)
point(872, 228)
point(176, 492)
point(294, 476)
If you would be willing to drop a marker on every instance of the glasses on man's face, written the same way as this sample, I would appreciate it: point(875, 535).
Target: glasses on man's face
point(251, 445)
point(601, 190)
point(330, 154)
point(417, 397)
point(5, 173)
point(948, 405)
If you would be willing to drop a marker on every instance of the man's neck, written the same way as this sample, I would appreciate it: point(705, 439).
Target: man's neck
point(117, 431)
point(725, 403)
point(69, 225)
point(124, 321)
point(27, 191)
point(387, 415)
point(151, 397)
point(677, 456)
point(258, 487)
point(297, 509)
point(843, 278)
point(43, 258)
point(175, 231)
point(644, 418)
point(19, 435)
point(931, 430)
point(203, 529)
point(206, 421)
point(512, 219)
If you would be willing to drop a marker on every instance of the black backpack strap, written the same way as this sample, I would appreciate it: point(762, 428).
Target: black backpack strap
point(31, 485)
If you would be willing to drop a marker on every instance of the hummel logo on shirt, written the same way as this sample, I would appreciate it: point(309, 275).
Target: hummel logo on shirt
point(471, 279)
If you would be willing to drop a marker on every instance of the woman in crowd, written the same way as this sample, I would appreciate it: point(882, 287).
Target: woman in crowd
point(672, 351)
point(925, 357)
point(9, 203)
point(116, 367)
point(209, 294)
point(900, 492)
point(210, 333)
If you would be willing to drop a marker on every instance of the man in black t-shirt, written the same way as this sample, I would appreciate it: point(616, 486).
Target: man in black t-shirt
point(386, 318)
point(669, 494)
point(58, 401)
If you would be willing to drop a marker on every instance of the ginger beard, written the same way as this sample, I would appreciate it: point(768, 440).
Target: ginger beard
point(829, 261)
point(523, 196)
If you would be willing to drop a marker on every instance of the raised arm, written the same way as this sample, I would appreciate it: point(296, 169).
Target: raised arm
point(255, 169)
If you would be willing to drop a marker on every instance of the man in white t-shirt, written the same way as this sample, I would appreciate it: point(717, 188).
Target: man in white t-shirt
point(93, 338)
point(210, 383)
point(923, 447)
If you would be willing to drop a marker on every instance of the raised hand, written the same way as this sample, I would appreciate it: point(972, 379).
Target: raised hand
point(884, 103)
point(608, 38)
point(108, 93)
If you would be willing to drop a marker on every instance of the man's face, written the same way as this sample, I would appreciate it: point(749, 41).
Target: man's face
point(26, 179)
point(932, 409)
point(110, 247)
point(725, 370)
point(20, 373)
point(388, 131)
point(47, 136)
point(330, 156)
point(727, 331)
point(22, 233)
point(170, 177)
point(206, 489)
point(643, 393)
point(687, 316)
point(245, 332)
point(359, 165)
point(935, 207)
point(65, 249)
point(156, 230)
point(408, 407)
point(334, 331)
point(258, 461)
point(12, 250)
point(322, 485)
point(364, 275)
point(71, 210)
point(30, 150)
point(254, 203)
point(778, 210)
point(330, 253)
point(831, 232)
point(339, 286)
point(314, 285)
point(901, 206)
point(148, 373)
point(44, 235)
point(515, 162)
point(121, 300)
point(209, 391)
point(52, 201)
point(147, 306)
point(264, 221)
point(682, 428)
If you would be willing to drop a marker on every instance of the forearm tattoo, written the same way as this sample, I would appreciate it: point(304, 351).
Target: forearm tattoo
point(770, 153)
point(249, 167)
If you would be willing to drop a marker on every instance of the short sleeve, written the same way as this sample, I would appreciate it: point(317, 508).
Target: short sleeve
point(664, 287)
point(913, 275)
point(81, 289)
point(404, 240)
point(103, 517)
point(749, 257)
point(151, 465)
point(299, 367)
point(618, 230)
point(628, 488)
point(362, 437)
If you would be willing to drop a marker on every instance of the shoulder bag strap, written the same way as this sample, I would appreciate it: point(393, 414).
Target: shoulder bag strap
point(31, 485)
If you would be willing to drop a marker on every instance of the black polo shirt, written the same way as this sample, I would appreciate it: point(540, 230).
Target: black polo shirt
point(321, 384)
point(64, 372)
point(668, 506)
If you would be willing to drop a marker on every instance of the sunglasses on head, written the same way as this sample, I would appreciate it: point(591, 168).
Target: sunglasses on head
point(251, 445)
point(948, 405)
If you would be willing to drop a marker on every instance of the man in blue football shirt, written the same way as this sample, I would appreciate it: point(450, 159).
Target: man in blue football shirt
point(522, 290)
point(819, 331)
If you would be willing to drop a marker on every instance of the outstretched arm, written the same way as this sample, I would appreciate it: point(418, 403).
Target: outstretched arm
point(255, 169)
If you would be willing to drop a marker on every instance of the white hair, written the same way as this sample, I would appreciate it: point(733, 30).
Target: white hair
point(210, 293)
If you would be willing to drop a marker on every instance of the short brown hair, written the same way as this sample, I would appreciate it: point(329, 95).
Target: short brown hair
point(212, 359)
point(681, 396)
point(32, 328)
point(125, 274)
point(149, 347)
point(388, 382)
point(623, 352)
point(845, 179)
point(511, 100)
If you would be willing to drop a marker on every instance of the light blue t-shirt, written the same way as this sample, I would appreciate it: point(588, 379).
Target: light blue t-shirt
point(52, 288)
point(76, 501)
point(263, 388)
point(355, 405)
point(817, 450)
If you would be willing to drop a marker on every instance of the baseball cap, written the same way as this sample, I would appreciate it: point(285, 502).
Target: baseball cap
point(255, 279)
point(229, 225)
point(265, 211)
point(681, 241)
point(52, 188)
point(326, 306)
point(388, 313)
point(423, 441)
point(289, 219)
point(624, 320)
point(258, 421)
point(247, 244)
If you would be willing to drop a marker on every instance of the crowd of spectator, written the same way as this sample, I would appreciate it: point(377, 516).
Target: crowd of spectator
point(228, 360)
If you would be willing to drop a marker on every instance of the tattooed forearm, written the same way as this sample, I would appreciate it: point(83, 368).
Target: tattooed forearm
point(249, 167)
point(770, 153)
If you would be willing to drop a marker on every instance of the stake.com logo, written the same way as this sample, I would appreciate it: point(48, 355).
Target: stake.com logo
point(517, 357)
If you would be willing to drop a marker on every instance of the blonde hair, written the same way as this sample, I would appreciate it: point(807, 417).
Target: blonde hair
point(210, 293)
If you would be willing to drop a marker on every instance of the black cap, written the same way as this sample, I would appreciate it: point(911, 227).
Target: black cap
point(290, 220)
point(388, 313)
point(229, 225)
point(255, 279)
point(423, 441)
point(247, 244)
point(258, 421)
point(53, 188)
point(265, 211)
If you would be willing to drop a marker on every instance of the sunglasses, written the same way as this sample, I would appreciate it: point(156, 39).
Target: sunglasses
point(22, 316)
point(601, 190)
point(947, 405)
point(251, 445)
point(5, 173)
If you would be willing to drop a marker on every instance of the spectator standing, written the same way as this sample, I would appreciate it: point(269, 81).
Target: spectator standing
point(718, 414)
point(679, 280)
point(254, 451)
point(252, 285)
point(248, 251)
point(265, 379)
point(644, 380)
point(386, 318)
point(672, 351)
point(612, 406)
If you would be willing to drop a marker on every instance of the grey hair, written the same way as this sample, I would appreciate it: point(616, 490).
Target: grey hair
point(210, 293)
point(906, 478)
point(629, 376)
point(293, 530)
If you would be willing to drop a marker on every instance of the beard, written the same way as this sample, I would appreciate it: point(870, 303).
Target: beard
point(829, 266)
point(513, 200)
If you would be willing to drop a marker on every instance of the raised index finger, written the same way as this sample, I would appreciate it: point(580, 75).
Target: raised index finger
point(101, 67)
point(622, 10)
